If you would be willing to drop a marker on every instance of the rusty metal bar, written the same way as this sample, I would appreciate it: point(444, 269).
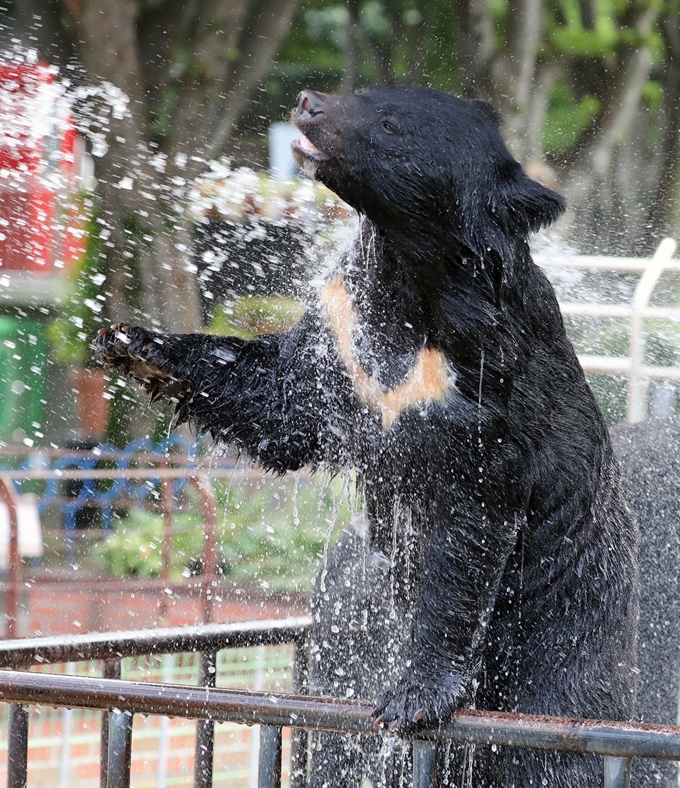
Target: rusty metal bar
point(168, 512)
point(598, 737)
point(17, 747)
point(166, 640)
point(424, 762)
point(120, 749)
point(209, 574)
point(166, 488)
point(205, 729)
point(121, 473)
point(8, 496)
point(102, 452)
point(617, 772)
point(269, 763)
point(112, 670)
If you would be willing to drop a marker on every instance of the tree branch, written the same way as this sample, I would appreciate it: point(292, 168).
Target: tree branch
point(134, 204)
point(525, 25)
point(547, 75)
point(594, 160)
point(664, 211)
point(211, 41)
point(513, 69)
point(258, 50)
point(40, 18)
point(162, 29)
point(349, 76)
point(475, 46)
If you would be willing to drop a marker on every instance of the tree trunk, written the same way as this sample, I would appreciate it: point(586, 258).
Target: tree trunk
point(147, 239)
point(259, 49)
point(513, 69)
point(664, 211)
point(592, 185)
point(475, 46)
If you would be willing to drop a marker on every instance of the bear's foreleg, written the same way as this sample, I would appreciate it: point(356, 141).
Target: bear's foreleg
point(266, 395)
point(463, 563)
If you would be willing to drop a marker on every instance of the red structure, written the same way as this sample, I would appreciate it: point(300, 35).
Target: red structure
point(40, 156)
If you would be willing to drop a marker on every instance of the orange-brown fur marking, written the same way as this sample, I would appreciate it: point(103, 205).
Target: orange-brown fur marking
point(429, 378)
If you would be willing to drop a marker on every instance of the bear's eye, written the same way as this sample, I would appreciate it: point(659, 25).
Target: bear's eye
point(389, 126)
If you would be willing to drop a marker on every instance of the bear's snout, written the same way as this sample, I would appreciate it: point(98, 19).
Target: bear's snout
point(310, 104)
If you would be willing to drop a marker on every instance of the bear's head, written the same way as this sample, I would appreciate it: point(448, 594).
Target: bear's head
point(417, 160)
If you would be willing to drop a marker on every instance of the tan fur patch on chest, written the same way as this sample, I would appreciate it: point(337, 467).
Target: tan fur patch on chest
point(429, 379)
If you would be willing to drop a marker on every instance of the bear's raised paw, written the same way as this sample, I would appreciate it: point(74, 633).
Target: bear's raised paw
point(140, 353)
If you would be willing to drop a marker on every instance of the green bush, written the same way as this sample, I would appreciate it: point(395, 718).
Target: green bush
point(249, 316)
point(271, 533)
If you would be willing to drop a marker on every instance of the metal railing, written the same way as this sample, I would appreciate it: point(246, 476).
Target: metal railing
point(120, 701)
point(200, 480)
point(88, 472)
point(636, 312)
point(74, 479)
point(157, 482)
point(119, 707)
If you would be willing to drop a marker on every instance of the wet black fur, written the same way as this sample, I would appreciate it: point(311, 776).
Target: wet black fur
point(496, 515)
point(352, 618)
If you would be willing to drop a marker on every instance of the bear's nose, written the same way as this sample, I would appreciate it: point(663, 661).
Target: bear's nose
point(310, 104)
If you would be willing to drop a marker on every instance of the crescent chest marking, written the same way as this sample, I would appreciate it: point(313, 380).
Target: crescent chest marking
point(429, 379)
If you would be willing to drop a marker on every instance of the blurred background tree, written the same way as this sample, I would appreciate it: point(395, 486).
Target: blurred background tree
point(187, 70)
point(589, 89)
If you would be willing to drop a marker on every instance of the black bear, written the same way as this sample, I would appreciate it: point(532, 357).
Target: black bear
point(353, 618)
point(436, 366)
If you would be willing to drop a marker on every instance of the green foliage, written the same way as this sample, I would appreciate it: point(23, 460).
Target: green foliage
point(611, 393)
point(134, 548)
point(71, 331)
point(252, 315)
point(572, 36)
point(612, 338)
point(567, 118)
point(393, 36)
point(662, 343)
point(376, 19)
point(327, 25)
point(415, 41)
point(162, 120)
point(271, 534)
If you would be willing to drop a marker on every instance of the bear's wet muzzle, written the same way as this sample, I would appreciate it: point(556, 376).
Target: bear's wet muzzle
point(306, 117)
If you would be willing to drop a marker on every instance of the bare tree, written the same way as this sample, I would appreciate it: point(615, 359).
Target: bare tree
point(188, 69)
point(664, 212)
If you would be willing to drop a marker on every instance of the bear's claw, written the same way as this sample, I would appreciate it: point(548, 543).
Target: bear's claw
point(139, 353)
point(413, 705)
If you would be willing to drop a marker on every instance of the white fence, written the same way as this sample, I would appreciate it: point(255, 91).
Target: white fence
point(637, 311)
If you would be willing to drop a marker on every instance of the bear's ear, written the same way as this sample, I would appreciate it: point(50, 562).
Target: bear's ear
point(524, 205)
point(488, 113)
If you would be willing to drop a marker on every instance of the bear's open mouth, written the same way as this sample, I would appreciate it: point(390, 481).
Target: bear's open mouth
point(305, 149)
